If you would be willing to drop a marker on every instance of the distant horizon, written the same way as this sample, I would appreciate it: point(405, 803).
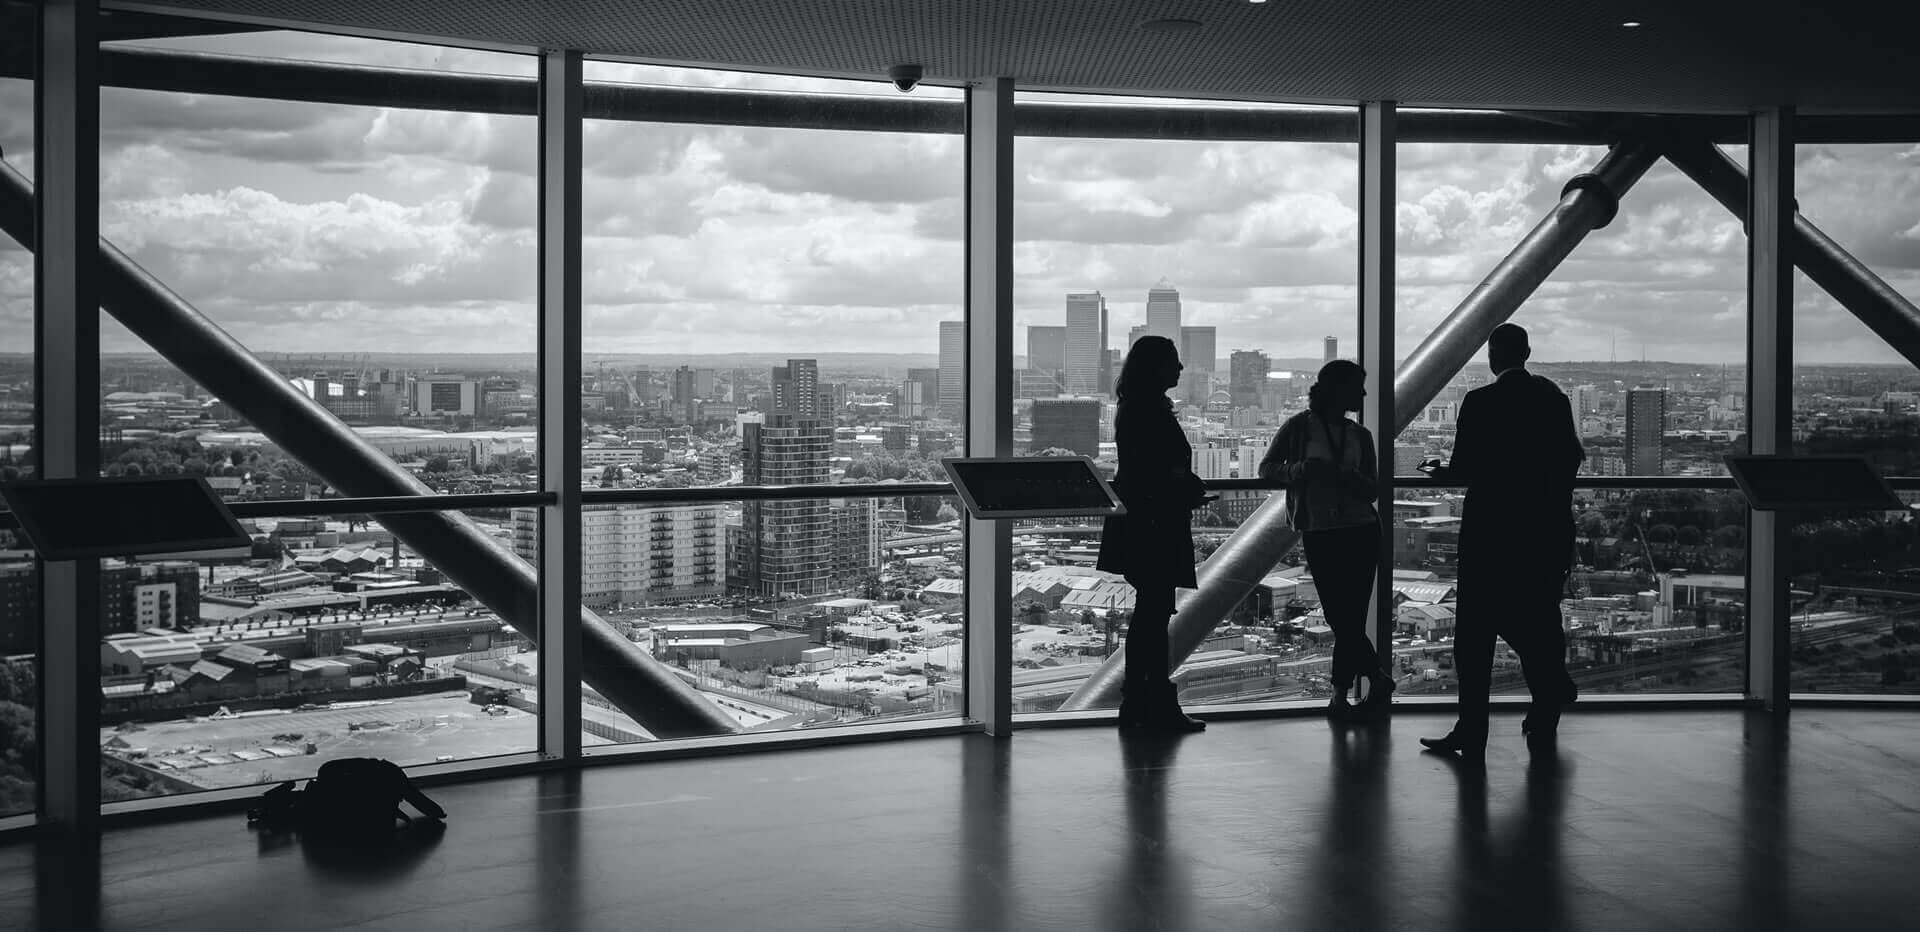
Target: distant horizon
point(1299, 362)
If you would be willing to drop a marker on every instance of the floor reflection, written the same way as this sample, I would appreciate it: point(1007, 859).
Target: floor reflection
point(1155, 883)
point(1763, 800)
point(1510, 874)
point(1345, 873)
point(986, 878)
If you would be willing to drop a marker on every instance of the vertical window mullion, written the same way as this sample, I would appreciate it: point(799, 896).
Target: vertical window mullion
point(559, 439)
point(989, 394)
point(67, 378)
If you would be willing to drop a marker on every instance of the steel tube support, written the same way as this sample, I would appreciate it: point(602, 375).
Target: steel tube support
point(1587, 204)
point(1865, 295)
point(626, 675)
point(1247, 555)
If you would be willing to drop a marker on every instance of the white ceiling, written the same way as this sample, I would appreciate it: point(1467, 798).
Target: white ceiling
point(1690, 55)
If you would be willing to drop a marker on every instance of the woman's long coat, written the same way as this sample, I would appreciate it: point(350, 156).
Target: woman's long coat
point(1152, 544)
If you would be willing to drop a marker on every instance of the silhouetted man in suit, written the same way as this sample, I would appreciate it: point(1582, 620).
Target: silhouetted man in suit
point(1516, 450)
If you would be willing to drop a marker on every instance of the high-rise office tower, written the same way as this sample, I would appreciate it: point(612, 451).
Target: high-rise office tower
point(683, 385)
point(1584, 398)
point(796, 388)
point(738, 389)
point(1197, 346)
point(1646, 431)
point(1163, 312)
point(1134, 333)
point(919, 394)
point(640, 554)
point(1066, 423)
point(953, 364)
point(1212, 462)
point(703, 382)
point(1087, 343)
point(784, 547)
point(1246, 376)
point(1247, 460)
point(1329, 349)
point(1047, 348)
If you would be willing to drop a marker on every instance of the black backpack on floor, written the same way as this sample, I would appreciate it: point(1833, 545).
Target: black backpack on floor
point(352, 798)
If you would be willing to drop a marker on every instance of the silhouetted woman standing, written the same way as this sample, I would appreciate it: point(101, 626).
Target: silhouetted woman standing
point(1327, 462)
point(1152, 544)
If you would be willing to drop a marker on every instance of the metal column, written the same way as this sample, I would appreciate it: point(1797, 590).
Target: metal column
point(67, 417)
point(1377, 203)
point(989, 394)
point(1587, 203)
point(1769, 398)
point(559, 617)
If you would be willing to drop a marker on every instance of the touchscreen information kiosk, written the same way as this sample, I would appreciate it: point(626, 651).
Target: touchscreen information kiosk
point(72, 519)
point(997, 488)
point(1812, 483)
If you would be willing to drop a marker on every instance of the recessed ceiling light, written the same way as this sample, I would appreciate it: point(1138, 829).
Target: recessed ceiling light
point(1631, 24)
point(1170, 25)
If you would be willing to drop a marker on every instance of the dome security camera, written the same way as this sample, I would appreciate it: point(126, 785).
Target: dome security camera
point(905, 77)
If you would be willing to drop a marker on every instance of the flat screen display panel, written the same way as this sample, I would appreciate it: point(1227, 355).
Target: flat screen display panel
point(1812, 483)
point(70, 519)
point(1031, 487)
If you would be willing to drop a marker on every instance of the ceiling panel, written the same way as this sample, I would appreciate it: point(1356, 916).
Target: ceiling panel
point(1690, 55)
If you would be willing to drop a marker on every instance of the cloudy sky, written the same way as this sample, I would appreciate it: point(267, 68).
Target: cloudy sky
point(306, 227)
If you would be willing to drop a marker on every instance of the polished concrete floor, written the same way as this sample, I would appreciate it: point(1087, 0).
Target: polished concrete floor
point(1641, 820)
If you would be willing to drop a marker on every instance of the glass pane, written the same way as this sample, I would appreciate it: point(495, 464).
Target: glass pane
point(1642, 326)
point(1656, 601)
point(380, 260)
point(1244, 254)
point(19, 574)
point(882, 638)
point(768, 305)
point(1856, 582)
point(330, 638)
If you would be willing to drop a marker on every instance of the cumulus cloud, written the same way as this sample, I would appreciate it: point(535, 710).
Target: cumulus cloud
point(317, 226)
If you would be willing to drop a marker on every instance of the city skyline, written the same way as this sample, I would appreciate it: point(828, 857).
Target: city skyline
point(342, 228)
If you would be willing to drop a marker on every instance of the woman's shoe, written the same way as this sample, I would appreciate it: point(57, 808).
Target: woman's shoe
point(1166, 715)
point(1379, 696)
point(1339, 709)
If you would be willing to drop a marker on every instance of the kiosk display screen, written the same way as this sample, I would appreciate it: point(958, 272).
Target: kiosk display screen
point(68, 519)
point(1812, 483)
point(1025, 487)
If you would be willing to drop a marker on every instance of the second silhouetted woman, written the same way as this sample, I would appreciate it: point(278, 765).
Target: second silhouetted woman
point(1152, 544)
point(1327, 462)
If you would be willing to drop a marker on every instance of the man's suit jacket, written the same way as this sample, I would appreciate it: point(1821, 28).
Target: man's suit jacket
point(1517, 450)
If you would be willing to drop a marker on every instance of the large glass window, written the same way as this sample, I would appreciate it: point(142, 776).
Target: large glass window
point(380, 260)
point(1642, 327)
point(1856, 577)
point(1245, 255)
point(767, 305)
point(19, 572)
point(775, 305)
point(332, 637)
